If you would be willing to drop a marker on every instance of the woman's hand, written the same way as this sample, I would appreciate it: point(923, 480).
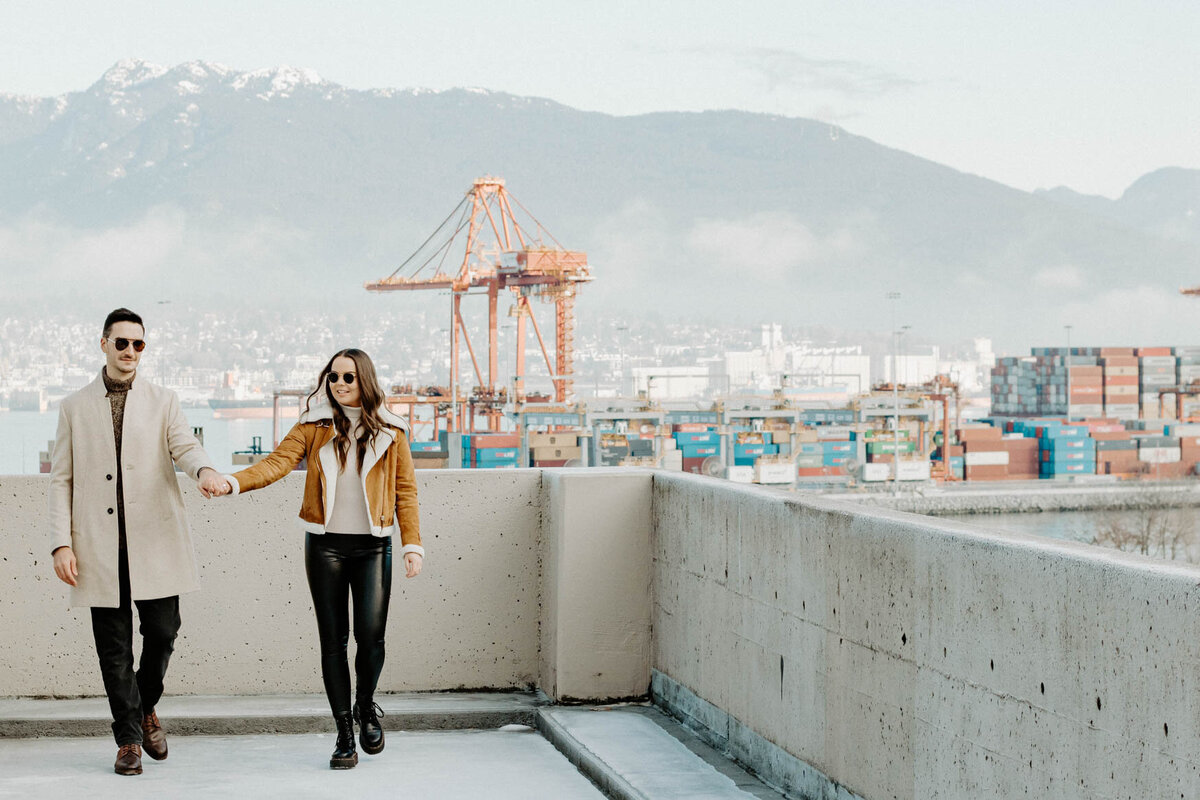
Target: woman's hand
point(412, 565)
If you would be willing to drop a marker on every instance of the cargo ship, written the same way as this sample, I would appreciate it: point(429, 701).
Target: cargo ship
point(248, 408)
point(28, 400)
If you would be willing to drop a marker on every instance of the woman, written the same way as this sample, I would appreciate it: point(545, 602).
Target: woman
point(360, 488)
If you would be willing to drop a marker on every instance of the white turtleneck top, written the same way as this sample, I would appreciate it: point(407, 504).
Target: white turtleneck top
point(349, 514)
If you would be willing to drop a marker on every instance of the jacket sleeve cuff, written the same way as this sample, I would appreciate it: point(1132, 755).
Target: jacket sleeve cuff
point(234, 483)
point(412, 548)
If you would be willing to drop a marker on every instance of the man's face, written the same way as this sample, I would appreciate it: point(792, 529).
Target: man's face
point(122, 364)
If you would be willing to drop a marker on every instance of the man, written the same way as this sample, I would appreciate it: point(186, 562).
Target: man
point(119, 536)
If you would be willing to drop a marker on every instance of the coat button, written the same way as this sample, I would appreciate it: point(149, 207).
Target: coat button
point(108, 477)
point(110, 511)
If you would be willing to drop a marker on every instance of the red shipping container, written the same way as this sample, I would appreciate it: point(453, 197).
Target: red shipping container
point(693, 465)
point(495, 440)
point(979, 434)
point(990, 472)
point(976, 446)
point(1120, 380)
point(1116, 352)
point(1152, 351)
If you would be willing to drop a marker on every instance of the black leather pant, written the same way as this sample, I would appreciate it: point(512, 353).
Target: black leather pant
point(131, 694)
point(339, 565)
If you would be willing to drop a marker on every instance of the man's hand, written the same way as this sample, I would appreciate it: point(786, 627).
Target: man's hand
point(65, 566)
point(412, 565)
point(212, 483)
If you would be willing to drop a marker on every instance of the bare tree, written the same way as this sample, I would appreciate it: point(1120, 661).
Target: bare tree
point(1167, 533)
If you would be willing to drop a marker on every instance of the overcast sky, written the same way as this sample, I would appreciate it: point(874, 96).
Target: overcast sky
point(1090, 95)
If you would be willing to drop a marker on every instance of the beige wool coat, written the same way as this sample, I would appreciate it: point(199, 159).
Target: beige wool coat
point(83, 493)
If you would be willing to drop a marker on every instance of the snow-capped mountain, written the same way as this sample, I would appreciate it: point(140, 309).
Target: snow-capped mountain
point(280, 181)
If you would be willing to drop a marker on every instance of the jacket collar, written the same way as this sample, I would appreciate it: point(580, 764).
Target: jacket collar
point(320, 410)
point(97, 388)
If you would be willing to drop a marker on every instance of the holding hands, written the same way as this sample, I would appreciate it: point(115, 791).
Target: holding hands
point(212, 483)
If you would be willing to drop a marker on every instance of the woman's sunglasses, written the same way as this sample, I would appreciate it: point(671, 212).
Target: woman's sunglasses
point(121, 343)
point(347, 378)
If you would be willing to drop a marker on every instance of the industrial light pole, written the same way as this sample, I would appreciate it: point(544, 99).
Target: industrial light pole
point(895, 296)
point(1068, 361)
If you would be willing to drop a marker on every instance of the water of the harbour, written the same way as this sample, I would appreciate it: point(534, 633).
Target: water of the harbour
point(25, 434)
point(1172, 533)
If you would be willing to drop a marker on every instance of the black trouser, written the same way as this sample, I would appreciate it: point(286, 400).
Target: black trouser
point(340, 564)
point(131, 694)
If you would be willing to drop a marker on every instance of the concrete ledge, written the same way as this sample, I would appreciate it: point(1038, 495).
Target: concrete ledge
point(635, 752)
point(301, 713)
point(774, 765)
point(1035, 497)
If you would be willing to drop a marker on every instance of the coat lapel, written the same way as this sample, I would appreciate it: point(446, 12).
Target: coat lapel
point(99, 410)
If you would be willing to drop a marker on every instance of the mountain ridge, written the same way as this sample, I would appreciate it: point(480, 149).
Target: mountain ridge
point(278, 178)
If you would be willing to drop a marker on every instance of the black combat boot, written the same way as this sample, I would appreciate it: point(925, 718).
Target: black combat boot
point(344, 755)
point(370, 732)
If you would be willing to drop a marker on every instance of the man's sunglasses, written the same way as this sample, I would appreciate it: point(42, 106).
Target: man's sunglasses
point(121, 343)
point(347, 378)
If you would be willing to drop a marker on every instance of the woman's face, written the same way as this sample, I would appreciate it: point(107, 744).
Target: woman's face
point(348, 394)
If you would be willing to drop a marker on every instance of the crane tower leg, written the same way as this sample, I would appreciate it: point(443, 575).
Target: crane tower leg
point(564, 333)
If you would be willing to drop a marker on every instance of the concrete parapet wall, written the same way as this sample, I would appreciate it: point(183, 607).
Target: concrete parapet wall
point(250, 629)
point(475, 618)
point(596, 579)
point(906, 657)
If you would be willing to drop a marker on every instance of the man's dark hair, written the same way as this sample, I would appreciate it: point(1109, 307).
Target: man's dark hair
point(121, 315)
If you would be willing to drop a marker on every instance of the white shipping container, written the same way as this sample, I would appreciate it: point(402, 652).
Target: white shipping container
point(774, 471)
point(1165, 379)
point(1159, 455)
point(985, 459)
point(914, 470)
point(739, 474)
point(835, 432)
point(876, 471)
point(1158, 361)
point(1121, 410)
point(673, 459)
point(1184, 429)
point(1086, 410)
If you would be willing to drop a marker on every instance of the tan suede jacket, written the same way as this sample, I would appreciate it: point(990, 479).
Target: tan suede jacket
point(389, 481)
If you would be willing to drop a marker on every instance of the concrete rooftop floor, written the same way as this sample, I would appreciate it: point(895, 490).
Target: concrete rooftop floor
point(444, 745)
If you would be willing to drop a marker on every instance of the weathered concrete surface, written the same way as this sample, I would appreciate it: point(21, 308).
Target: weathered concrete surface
point(638, 753)
point(509, 764)
point(729, 736)
point(596, 598)
point(207, 715)
point(1033, 496)
point(909, 657)
point(483, 613)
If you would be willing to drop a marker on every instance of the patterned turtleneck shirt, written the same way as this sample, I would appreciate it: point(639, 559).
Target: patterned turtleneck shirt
point(117, 392)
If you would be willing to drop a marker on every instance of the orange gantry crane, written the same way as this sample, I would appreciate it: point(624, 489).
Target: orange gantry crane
point(500, 253)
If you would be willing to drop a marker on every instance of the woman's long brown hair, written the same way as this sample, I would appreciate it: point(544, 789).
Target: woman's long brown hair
point(371, 393)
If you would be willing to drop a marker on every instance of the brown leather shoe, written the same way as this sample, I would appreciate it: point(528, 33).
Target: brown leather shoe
point(129, 760)
point(154, 738)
